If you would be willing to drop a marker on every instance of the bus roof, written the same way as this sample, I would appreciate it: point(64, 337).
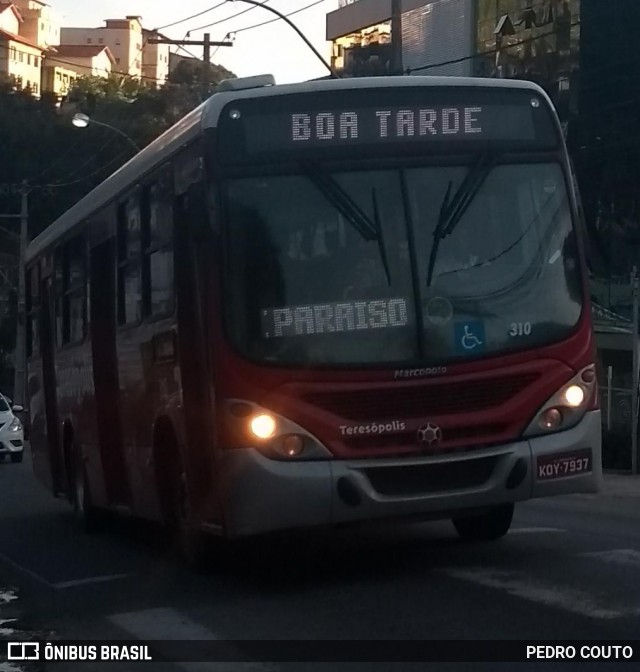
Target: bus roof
point(206, 116)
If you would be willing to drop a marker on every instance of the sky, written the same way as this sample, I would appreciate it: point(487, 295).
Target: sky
point(272, 49)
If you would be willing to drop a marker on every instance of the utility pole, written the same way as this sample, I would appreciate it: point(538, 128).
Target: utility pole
point(20, 353)
point(206, 43)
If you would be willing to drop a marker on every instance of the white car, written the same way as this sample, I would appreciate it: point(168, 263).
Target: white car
point(11, 431)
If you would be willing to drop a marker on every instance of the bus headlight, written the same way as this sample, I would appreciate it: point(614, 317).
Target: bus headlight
point(262, 426)
point(274, 435)
point(574, 396)
point(567, 406)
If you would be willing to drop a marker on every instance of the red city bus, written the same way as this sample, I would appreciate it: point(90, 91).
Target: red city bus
point(318, 303)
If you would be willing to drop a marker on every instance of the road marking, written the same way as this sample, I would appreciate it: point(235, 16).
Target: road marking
point(517, 584)
point(92, 579)
point(7, 632)
point(24, 570)
point(534, 530)
point(7, 596)
point(165, 624)
point(10, 667)
point(626, 557)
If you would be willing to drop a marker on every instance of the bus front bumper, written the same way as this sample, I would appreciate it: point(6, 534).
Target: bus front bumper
point(263, 495)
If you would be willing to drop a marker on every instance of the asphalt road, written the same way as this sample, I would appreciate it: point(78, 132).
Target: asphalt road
point(567, 570)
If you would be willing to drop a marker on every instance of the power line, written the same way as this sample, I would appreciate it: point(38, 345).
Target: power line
point(193, 16)
point(264, 23)
point(228, 18)
point(56, 185)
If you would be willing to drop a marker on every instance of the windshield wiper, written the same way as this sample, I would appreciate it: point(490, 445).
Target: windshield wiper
point(350, 210)
point(453, 209)
point(339, 198)
point(380, 237)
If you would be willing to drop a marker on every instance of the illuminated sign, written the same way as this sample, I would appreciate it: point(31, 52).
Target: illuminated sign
point(394, 118)
point(393, 124)
point(331, 318)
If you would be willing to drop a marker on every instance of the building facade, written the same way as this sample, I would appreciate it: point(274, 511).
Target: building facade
point(85, 60)
point(123, 37)
point(21, 61)
point(41, 24)
point(429, 37)
point(155, 59)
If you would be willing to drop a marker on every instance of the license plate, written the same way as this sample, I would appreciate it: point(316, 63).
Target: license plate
point(563, 465)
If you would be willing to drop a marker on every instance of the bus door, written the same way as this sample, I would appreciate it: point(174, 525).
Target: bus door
point(49, 384)
point(105, 372)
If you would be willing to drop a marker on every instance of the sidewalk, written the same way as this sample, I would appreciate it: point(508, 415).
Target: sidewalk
point(620, 485)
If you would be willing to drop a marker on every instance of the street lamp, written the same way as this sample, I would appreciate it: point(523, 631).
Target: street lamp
point(82, 121)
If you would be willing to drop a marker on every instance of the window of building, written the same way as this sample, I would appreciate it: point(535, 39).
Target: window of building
point(28, 59)
point(21, 57)
point(36, 61)
point(100, 40)
point(34, 88)
point(33, 311)
point(71, 292)
point(14, 55)
point(42, 26)
point(118, 61)
point(118, 41)
point(89, 40)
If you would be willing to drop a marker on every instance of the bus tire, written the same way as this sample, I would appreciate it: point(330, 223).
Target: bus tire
point(188, 543)
point(88, 517)
point(488, 526)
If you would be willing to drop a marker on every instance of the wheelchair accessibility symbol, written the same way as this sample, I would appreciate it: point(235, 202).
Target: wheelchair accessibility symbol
point(469, 337)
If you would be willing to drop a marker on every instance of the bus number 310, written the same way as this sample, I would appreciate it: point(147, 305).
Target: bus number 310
point(520, 329)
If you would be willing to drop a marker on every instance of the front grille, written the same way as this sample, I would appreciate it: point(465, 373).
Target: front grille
point(428, 478)
point(450, 435)
point(15, 443)
point(419, 401)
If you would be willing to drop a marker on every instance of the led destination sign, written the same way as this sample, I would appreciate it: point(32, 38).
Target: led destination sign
point(393, 124)
point(344, 127)
point(406, 117)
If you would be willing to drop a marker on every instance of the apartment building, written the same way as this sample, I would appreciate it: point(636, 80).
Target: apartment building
point(155, 59)
point(85, 60)
point(20, 58)
point(40, 23)
point(129, 44)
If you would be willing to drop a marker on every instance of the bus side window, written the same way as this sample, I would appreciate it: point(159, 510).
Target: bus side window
point(74, 301)
point(129, 267)
point(157, 239)
point(32, 308)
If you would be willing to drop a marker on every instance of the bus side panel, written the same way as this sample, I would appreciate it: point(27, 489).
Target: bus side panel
point(105, 374)
point(41, 381)
point(194, 280)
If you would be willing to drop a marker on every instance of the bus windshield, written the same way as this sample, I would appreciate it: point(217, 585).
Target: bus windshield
point(421, 265)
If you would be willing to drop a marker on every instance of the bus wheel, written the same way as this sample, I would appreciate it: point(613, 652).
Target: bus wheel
point(488, 526)
point(187, 541)
point(88, 517)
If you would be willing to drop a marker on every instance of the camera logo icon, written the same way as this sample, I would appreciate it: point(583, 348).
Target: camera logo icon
point(23, 651)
